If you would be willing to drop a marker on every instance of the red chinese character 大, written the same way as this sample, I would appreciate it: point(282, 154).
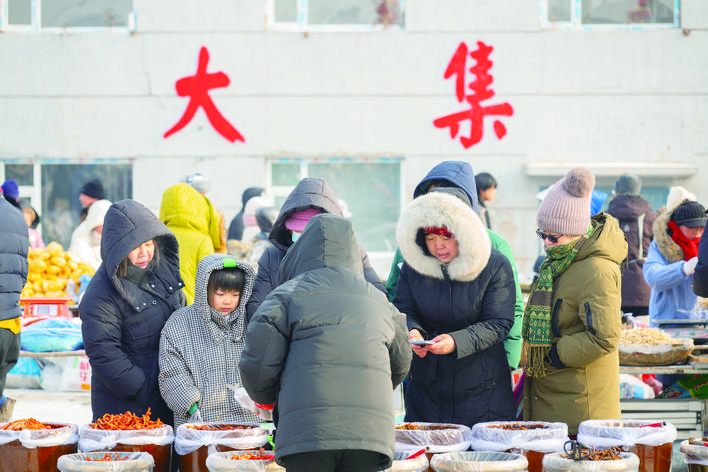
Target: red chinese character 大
point(197, 88)
point(481, 92)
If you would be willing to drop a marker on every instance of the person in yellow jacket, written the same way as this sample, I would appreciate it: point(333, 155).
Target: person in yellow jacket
point(190, 216)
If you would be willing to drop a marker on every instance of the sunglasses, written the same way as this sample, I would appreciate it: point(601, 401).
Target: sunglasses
point(550, 237)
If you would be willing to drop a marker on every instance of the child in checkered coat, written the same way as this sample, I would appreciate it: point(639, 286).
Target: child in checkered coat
point(201, 345)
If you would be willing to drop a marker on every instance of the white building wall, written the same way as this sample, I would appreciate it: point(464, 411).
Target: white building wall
point(613, 100)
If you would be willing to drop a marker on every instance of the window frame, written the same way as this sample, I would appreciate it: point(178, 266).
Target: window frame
point(301, 24)
point(575, 22)
point(283, 191)
point(35, 25)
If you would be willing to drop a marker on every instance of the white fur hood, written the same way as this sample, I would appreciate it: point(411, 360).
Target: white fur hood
point(441, 209)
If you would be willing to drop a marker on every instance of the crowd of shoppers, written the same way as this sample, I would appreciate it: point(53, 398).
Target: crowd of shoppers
point(310, 327)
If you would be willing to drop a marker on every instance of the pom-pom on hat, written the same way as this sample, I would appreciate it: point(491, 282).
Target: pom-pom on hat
point(690, 214)
point(11, 189)
point(298, 220)
point(628, 184)
point(565, 209)
point(94, 189)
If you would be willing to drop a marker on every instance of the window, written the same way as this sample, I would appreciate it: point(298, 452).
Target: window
point(371, 188)
point(58, 15)
point(324, 15)
point(52, 188)
point(623, 14)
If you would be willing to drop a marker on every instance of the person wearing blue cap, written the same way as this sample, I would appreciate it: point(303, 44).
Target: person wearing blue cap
point(11, 192)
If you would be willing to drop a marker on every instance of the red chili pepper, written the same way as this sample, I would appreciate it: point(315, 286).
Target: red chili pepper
point(416, 454)
point(653, 425)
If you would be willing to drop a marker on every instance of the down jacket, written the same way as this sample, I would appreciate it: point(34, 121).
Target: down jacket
point(122, 320)
point(671, 289)
point(194, 222)
point(582, 383)
point(14, 245)
point(461, 175)
point(329, 347)
point(627, 209)
point(308, 193)
point(200, 349)
point(471, 298)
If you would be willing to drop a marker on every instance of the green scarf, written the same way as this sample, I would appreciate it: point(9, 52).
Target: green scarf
point(536, 329)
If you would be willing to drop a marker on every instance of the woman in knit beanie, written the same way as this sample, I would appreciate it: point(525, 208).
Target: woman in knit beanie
point(572, 320)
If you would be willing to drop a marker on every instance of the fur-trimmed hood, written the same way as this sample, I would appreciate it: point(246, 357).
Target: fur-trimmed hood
point(668, 248)
point(443, 209)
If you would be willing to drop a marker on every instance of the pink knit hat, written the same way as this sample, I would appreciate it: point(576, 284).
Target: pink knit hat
point(566, 207)
point(298, 220)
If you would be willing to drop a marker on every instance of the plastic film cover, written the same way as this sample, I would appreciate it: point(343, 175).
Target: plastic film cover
point(502, 436)
point(603, 434)
point(556, 463)
point(476, 461)
point(188, 439)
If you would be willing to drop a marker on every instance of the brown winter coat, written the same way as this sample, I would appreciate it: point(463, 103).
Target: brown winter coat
point(586, 325)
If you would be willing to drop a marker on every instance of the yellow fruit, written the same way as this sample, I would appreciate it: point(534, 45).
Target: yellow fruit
point(54, 248)
point(52, 270)
point(58, 261)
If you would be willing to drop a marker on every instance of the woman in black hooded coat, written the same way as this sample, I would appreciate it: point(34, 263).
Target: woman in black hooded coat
point(463, 302)
point(124, 309)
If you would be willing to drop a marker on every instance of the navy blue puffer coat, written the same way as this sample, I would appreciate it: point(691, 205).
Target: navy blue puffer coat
point(472, 299)
point(122, 319)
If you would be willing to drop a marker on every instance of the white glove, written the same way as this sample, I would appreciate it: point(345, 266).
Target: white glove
point(689, 267)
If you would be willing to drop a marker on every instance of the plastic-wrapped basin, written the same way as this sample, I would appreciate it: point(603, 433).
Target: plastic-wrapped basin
point(556, 463)
point(475, 461)
point(119, 462)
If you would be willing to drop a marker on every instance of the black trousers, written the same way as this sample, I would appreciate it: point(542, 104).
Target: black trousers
point(346, 460)
point(9, 354)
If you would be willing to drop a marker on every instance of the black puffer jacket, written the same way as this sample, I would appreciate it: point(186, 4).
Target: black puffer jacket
point(472, 299)
point(122, 321)
point(308, 193)
point(627, 209)
point(14, 245)
point(329, 347)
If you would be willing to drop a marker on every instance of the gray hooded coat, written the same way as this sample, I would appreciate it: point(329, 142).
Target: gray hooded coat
point(308, 193)
point(200, 349)
point(329, 347)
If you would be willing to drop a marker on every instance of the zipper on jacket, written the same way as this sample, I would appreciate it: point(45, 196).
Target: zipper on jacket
point(446, 276)
point(588, 318)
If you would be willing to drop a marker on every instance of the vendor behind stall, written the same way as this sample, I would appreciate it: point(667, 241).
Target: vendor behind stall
point(671, 261)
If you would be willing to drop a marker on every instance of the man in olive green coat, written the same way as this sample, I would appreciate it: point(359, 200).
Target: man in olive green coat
point(572, 320)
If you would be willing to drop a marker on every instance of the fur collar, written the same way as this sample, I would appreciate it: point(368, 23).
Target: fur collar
point(440, 209)
point(668, 248)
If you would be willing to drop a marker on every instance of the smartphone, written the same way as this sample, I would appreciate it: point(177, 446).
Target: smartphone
point(421, 342)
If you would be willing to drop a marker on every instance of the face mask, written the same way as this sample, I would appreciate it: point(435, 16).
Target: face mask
point(295, 235)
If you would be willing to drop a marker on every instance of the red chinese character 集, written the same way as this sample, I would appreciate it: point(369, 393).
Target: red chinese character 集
point(480, 87)
point(197, 88)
